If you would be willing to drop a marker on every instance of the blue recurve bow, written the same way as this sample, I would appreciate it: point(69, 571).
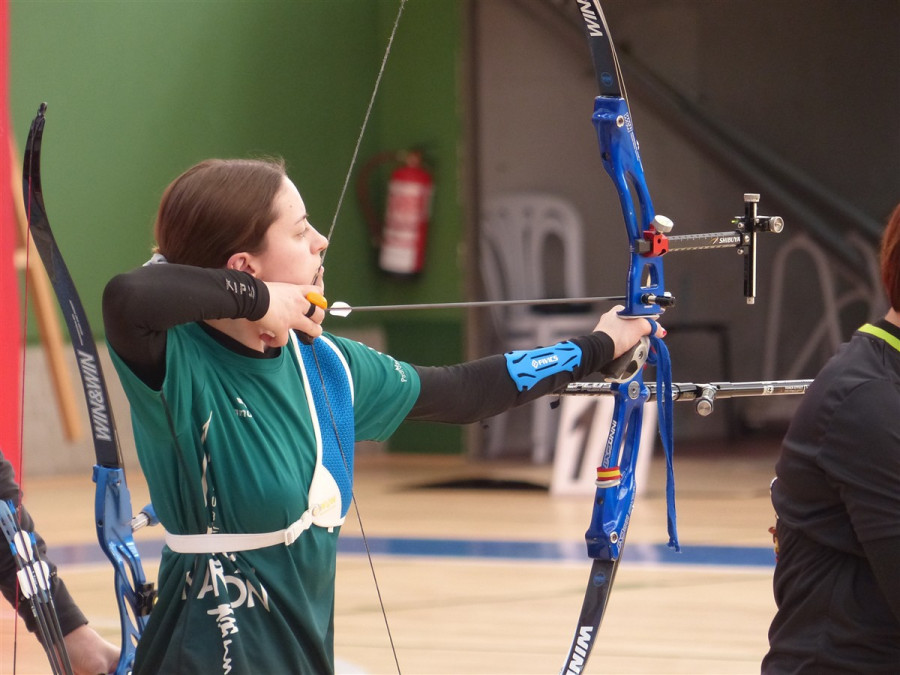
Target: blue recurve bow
point(112, 504)
point(645, 297)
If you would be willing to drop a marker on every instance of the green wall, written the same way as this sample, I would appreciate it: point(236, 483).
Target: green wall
point(139, 91)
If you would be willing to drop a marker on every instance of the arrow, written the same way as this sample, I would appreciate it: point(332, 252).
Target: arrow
point(342, 309)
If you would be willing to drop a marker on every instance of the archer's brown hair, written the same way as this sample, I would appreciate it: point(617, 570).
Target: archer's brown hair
point(890, 258)
point(217, 208)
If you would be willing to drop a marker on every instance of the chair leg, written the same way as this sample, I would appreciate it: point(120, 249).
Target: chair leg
point(541, 433)
point(496, 435)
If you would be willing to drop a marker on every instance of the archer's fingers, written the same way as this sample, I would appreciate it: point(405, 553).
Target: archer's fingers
point(656, 330)
point(315, 313)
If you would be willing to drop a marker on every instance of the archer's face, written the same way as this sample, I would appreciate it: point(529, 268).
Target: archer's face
point(292, 248)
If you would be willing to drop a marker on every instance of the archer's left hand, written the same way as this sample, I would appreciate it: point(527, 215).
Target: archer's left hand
point(625, 332)
point(89, 653)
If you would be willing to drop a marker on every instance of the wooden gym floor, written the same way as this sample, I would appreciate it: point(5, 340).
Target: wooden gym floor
point(491, 580)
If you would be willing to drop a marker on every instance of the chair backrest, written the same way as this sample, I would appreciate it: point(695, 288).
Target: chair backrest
point(532, 246)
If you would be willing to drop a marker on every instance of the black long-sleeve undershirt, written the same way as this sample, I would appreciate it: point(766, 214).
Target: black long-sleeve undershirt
point(479, 389)
point(141, 305)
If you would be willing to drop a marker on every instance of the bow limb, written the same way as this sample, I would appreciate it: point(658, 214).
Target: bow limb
point(112, 506)
point(645, 297)
point(613, 502)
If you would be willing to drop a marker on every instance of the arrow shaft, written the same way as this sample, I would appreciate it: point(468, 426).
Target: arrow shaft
point(477, 303)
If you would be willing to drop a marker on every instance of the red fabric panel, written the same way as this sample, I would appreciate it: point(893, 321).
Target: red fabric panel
point(11, 324)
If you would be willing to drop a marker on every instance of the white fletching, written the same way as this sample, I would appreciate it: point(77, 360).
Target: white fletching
point(340, 308)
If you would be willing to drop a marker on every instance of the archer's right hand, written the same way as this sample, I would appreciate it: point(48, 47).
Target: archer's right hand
point(289, 309)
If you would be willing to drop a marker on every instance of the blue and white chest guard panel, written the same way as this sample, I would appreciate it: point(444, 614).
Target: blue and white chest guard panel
point(329, 393)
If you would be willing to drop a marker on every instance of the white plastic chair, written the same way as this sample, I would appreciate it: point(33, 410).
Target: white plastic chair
point(532, 246)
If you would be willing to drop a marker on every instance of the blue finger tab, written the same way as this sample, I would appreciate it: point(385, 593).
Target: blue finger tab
point(527, 367)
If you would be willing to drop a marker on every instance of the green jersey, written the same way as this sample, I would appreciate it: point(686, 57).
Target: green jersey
point(229, 445)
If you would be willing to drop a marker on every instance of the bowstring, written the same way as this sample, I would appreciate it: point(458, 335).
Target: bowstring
point(353, 498)
point(365, 123)
point(20, 451)
point(337, 434)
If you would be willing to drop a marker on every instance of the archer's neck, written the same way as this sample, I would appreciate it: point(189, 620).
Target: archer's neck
point(893, 316)
point(241, 330)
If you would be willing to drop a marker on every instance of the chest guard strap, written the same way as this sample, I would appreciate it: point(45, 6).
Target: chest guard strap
point(329, 393)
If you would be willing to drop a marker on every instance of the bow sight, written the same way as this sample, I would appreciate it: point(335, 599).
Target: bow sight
point(742, 238)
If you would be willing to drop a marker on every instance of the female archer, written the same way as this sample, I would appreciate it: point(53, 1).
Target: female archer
point(245, 414)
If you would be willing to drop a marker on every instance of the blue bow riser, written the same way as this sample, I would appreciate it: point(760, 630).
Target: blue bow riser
point(612, 505)
point(622, 161)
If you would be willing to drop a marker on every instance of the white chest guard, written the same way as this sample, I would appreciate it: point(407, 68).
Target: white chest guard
point(329, 393)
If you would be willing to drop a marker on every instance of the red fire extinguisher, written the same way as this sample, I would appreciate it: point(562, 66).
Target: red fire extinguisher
point(402, 236)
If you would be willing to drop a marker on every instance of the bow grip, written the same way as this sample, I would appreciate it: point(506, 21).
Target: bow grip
point(624, 367)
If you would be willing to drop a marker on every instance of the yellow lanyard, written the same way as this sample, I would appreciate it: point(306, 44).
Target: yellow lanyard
point(891, 339)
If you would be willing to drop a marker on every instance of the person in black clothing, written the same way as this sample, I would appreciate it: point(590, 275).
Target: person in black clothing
point(837, 499)
point(89, 653)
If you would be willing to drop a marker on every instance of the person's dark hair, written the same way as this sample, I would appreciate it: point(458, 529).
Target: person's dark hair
point(217, 208)
point(890, 258)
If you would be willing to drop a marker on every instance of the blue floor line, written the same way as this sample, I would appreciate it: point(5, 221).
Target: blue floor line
point(524, 551)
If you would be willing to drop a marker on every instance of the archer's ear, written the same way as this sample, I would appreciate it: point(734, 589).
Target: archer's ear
point(242, 262)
